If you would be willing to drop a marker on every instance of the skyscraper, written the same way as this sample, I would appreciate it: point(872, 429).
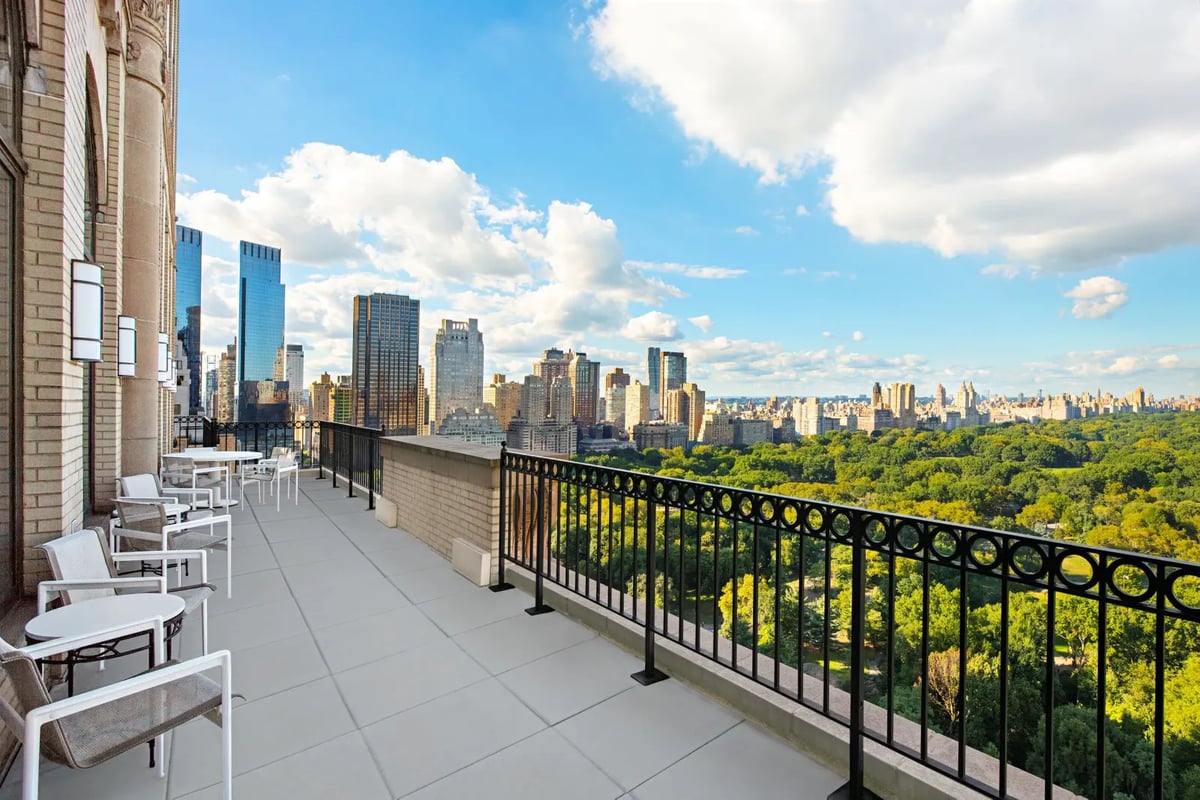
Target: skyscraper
point(260, 333)
point(188, 249)
point(533, 399)
point(456, 370)
point(562, 400)
point(637, 404)
point(673, 373)
point(553, 364)
point(384, 377)
point(504, 397)
point(226, 411)
point(585, 383)
point(321, 398)
point(653, 379)
point(294, 375)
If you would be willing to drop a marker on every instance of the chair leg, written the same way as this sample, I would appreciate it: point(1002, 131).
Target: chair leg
point(30, 757)
point(204, 628)
point(226, 732)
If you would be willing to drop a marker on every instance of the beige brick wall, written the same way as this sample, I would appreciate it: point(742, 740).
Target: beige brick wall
point(444, 489)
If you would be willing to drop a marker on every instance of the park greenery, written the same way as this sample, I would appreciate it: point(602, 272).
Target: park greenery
point(1125, 481)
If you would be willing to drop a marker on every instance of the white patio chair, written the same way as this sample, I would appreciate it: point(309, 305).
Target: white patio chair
point(85, 569)
point(90, 728)
point(184, 473)
point(271, 471)
point(148, 487)
point(145, 526)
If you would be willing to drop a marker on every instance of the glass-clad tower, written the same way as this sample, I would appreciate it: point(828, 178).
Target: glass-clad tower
point(456, 369)
point(384, 369)
point(188, 249)
point(260, 333)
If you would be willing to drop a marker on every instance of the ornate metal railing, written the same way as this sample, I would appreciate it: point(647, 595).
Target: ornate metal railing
point(342, 451)
point(995, 658)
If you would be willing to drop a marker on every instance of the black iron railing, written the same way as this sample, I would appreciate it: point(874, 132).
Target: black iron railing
point(352, 452)
point(341, 451)
point(1009, 662)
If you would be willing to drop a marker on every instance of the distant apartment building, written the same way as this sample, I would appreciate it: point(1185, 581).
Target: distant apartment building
point(618, 377)
point(752, 430)
point(293, 373)
point(343, 399)
point(638, 397)
point(534, 403)
point(810, 419)
point(554, 363)
point(672, 373)
point(875, 419)
point(562, 400)
point(546, 437)
point(614, 405)
point(696, 406)
point(479, 427)
point(716, 428)
point(226, 410)
point(320, 396)
point(665, 435)
point(261, 297)
point(385, 332)
point(455, 369)
point(585, 386)
point(503, 397)
point(189, 246)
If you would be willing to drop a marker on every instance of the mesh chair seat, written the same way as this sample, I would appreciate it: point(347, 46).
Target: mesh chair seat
point(193, 596)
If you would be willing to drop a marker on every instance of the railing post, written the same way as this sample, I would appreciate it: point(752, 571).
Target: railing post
point(539, 606)
point(333, 458)
point(371, 461)
point(649, 674)
point(853, 789)
point(501, 585)
point(350, 464)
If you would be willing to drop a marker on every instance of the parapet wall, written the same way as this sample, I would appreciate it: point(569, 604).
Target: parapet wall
point(444, 489)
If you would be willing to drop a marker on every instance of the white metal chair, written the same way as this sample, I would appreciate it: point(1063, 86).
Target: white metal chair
point(272, 471)
point(148, 487)
point(146, 526)
point(182, 473)
point(90, 728)
point(85, 569)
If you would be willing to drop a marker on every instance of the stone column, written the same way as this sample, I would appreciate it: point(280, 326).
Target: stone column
point(143, 249)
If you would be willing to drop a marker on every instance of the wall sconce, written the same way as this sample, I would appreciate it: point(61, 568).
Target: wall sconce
point(126, 347)
point(87, 311)
point(164, 359)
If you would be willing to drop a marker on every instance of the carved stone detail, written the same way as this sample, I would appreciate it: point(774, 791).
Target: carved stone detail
point(155, 10)
point(133, 51)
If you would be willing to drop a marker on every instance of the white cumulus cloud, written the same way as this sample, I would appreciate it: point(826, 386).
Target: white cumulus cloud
point(745, 230)
point(651, 327)
point(703, 322)
point(858, 336)
point(966, 126)
point(1097, 297)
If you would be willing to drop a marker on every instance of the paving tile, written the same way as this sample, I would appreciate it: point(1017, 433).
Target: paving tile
point(278, 666)
point(413, 748)
point(406, 558)
point(360, 641)
point(316, 576)
point(252, 589)
point(377, 690)
point(544, 765)
point(520, 639)
point(339, 768)
point(571, 680)
point(312, 549)
point(635, 734)
point(246, 559)
point(264, 731)
point(254, 626)
point(463, 611)
point(743, 762)
point(126, 777)
point(421, 585)
point(286, 530)
point(352, 602)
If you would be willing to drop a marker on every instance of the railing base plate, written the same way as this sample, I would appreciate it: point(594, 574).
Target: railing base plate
point(502, 587)
point(843, 793)
point(542, 609)
point(649, 676)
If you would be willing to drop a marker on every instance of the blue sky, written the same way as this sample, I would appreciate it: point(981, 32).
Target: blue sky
point(804, 197)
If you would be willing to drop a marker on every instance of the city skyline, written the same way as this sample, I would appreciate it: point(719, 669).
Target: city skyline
point(766, 242)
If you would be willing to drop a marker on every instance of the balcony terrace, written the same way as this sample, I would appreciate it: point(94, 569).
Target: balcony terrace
point(372, 670)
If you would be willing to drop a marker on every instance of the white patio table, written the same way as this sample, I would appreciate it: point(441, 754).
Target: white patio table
point(220, 457)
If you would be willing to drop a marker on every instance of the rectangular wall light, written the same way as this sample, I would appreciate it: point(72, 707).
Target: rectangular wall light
point(126, 347)
point(87, 311)
point(164, 359)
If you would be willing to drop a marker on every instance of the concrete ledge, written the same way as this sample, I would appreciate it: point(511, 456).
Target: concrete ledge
point(385, 511)
point(888, 773)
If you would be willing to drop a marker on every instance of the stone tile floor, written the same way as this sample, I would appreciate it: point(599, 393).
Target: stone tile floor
point(372, 670)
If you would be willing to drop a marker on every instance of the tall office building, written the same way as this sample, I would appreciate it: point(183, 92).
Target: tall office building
point(321, 397)
point(226, 410)
point(504, 398)
point(188, 249)
point(533, 399)
point(618, 377)
point(553, 364)
point(614, 404)
point(343, 399)
point(585, 384)
point(293, 373)
point(562, 400)
point(672, 373)
point(422, 404)
point(696, 404)
point(456, 369)
point(637, 404)
point(653, 380)
point(385, 335)
point(260, 334)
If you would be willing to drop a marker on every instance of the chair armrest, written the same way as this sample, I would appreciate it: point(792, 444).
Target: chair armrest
point(146, 500)
point(181, 491)
point(64, 644)
point(57, 587)
point(204, 522)
point(206, 470)
point(139, 683)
